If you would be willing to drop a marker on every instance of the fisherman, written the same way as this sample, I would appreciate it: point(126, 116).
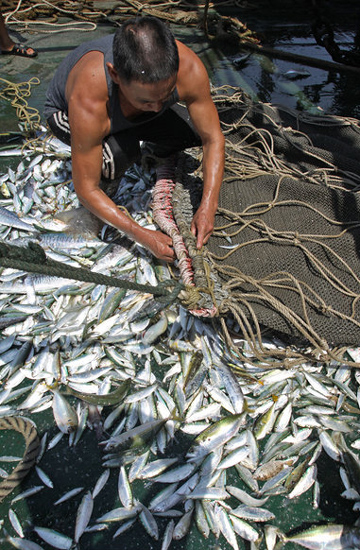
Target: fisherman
point(111, 93)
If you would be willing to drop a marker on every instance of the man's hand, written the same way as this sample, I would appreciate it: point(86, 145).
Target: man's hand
point(202, 225)
point(160, 245)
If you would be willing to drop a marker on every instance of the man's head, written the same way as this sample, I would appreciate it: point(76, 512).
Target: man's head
point(145, 51)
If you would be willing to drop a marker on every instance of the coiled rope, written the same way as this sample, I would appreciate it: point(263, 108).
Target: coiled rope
point(16, 94)
point(27, 18)
point(43, 16)
point(32, 444)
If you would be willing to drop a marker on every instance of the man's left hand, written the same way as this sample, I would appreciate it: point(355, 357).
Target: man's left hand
point(202, 226)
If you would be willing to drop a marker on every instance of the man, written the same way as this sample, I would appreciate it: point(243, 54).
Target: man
point(109, 94)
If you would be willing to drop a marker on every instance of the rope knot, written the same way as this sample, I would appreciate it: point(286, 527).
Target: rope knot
point(190, 297)
point(324, 309)
point(296, 239)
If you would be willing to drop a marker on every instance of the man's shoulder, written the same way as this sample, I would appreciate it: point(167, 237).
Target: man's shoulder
point(192, 75)
point(91, 54)
point(87, 80)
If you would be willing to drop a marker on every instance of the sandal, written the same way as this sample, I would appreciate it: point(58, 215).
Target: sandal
point(21, 50)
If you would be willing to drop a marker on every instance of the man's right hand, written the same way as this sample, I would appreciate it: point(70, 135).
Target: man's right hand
point(160, 245)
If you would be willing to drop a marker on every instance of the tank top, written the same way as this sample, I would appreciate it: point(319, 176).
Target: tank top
point(55, 95)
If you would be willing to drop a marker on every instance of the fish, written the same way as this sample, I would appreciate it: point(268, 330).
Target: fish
point(14, 520)
point(83, 515)
point(23, 543)
point(327, 537)
point(64, 414)
point(293, 74)
point(53, 537)
point(145, 375)
point(215, 435)
point(135, 438)
point(112, 398)
point(68, 495)
point(8, 218)
point(120, 514)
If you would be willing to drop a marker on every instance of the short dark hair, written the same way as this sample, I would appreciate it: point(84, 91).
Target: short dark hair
point(145, 50)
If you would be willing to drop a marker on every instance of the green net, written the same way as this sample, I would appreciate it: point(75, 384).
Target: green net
point(286, 239)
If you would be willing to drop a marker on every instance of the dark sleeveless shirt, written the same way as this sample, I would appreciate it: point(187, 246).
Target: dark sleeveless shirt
point(55, 96)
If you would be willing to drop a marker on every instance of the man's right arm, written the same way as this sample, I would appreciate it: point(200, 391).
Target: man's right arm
point(89, 125)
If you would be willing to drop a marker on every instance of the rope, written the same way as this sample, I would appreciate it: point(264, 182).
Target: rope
point(32, 444)
point(33, 11)
point(26, 16)
point(272, 145)
point(34, 260)
point(167, 202)
point(16, 94)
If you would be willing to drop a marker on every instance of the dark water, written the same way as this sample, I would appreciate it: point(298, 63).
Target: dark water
point(289, 27)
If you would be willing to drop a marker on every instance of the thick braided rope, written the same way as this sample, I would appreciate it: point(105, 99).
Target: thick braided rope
point(34, 260)
point(32, 444)
point(164, 217)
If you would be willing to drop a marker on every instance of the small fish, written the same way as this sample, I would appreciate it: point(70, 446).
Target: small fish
point(292, 74)
point(305, 482)
point(176, 474)
point(182, 527)
point(253, 513)
point(327, 537)
point(215, 435)
point(243, 529)
point(168, 535)
point(83, 515)
point(64, 414)
point(124, 489)
point(216, 493)
point(69, 495)
point(156, 467)
point(124, 527)
point(136, 437)
point(28, 493)
point(54, 538)
point(155, 330)
point(22, 543)
point(101, 482)
point(14, 520)
point(149, 522)
point(10, 219)
point(120, 514)
point(44, 477)
point(244, 497)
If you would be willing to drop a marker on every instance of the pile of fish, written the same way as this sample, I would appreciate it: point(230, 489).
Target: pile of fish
point(143, 377)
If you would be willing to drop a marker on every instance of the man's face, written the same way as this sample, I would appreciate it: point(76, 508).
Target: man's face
point(146, 97)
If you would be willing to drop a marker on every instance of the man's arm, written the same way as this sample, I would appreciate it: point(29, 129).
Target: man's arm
point(194, 89)
point(89, 125)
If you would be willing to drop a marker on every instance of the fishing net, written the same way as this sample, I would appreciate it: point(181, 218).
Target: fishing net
point(285, 250)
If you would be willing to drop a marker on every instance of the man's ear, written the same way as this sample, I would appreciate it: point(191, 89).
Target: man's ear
point(112, 72)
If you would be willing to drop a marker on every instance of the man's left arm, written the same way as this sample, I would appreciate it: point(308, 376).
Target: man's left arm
point(204, 115)
point(213, 146)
